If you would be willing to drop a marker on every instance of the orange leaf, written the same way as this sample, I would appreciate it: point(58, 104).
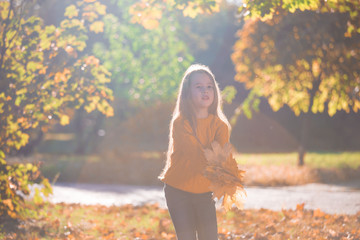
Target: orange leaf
point(97, 27)
point(71, 51)
point(318, 213)
point(146, 14)
point(62, 76)
point(8, 203)
point(167, 236)
point(43, 70)
point(150, 24)
point(300, 207)
point(92, 60)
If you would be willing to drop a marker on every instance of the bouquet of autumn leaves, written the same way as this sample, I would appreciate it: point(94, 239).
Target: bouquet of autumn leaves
point(225, 177)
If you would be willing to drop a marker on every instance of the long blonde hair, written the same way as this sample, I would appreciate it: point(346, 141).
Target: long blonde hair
point(184, 106)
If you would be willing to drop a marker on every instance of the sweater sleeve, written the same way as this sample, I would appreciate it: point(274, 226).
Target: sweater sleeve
point(187, 150)
point(222, 137)
point(183, 137)
point(222, 133)
point(187, 159)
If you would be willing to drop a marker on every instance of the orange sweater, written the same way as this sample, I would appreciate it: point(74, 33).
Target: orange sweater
point(187, 161)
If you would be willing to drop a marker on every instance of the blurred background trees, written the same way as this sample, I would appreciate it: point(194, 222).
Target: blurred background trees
point(44, 76)
point(146, 56)
point(308, 60)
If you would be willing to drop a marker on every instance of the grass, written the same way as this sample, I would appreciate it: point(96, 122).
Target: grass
point(74, 221)
point(312, 159)
point(143, 168)
point(280, 169)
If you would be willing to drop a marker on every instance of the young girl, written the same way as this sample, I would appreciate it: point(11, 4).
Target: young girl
point(197, 121)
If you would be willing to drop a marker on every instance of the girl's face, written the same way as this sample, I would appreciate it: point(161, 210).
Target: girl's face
point(202, 91)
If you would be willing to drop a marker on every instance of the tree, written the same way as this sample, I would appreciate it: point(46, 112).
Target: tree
point(145, 64)
point(307, 60)
point(157, 15)
point(42, 77)
point(149, 12)
point(264, 10)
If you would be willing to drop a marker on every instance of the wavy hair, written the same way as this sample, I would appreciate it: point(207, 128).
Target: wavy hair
point(184, 106)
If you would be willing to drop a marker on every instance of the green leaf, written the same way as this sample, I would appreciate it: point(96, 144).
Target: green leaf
point(47, 189)
point(50, 29)
point(45, 43)
point(47, 84)
point(18, 101)
point(24, 139)
point(71, 11)
point(37, 197)
point(72, 23)
point(228, 94)
point(21, 91)
point(29, 166)
point(32, 66)
point(247, 111)
point(100, 8)
point(4, 6)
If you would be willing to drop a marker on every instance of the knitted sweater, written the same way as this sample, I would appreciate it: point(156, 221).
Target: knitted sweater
point(187, 160)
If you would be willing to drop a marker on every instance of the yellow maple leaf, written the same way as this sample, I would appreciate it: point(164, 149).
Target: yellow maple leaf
point(225, 177)
point(64, 120)
point(97, 26)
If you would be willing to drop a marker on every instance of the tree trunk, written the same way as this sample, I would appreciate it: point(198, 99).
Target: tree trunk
point(79, 132)
point(87, 134)
point(304, 135)
point(93, 135)
point(303, 139)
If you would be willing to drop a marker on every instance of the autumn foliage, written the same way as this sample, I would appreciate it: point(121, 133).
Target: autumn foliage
point(148, 13)
point(265, 10)
point(303, 60)
point(74, 221)
point(45, 74)
point(304, 55)
point(226, 179)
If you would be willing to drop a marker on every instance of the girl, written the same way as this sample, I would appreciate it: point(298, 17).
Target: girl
point(197, 121)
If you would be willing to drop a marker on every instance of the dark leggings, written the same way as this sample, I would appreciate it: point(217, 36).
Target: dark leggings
point(192, 214)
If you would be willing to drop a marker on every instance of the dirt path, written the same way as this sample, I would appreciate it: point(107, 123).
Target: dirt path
point(334, 199)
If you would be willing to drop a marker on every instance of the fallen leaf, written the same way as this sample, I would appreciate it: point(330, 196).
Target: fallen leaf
point(318, 213)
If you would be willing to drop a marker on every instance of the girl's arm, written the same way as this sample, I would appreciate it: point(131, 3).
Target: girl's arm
point(185, 157)
point(184, 139)
point(187, 150)
point(183, 136)
point(222, 136)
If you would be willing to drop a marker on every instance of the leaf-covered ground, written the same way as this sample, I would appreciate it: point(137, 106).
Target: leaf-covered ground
point(74, 221)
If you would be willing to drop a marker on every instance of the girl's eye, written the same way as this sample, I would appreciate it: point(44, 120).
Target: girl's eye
point(210, 87)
